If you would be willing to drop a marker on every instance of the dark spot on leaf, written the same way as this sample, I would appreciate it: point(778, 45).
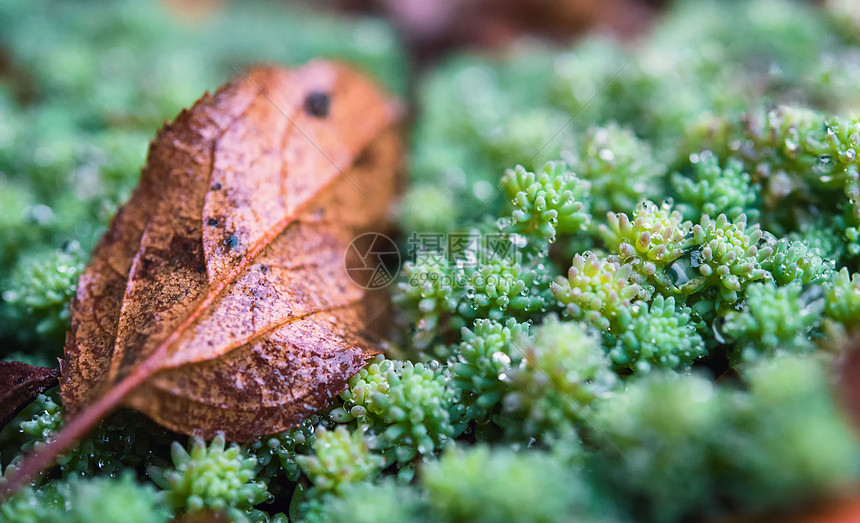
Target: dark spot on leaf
point(212, 222)
point(264, 268)
point(216, 186)
point(364, 158)
point(318, 104)
point(232, 241)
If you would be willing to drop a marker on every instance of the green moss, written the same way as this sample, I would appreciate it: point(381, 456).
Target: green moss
point(823, 237)
point(715, 190)
point(621, 167)
point(681, 447)
point(78, 500)
point(655, 442)
point(480, 484)
point(277, 454)
point(20, 219)
point(46, 423)
point(477, 273)
point(365, 502)
point(545, 203)
point(479, 118)
point(652, 238)
point(407, 406)
point(659, 335)
point(797, 155)
point(728, 256)
point(36, 297)
point(565, 371)
point(126, 439)
point(842, 297)
point(484, 359)
point(429, 291)
point(503, 285)
point(599, 290)
point(798, 261)
point(213, 477)
point(775, 319)
point(796, 441)
point(427, 207)
point(339, 458)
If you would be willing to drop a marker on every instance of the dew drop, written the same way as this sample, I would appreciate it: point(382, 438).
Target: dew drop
point(716, 329)
point(681, 271)
point(501, 359)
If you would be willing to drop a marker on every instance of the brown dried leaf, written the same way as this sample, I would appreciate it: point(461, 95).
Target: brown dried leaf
point(218, 300)
point(20, 383)
point(849, 383)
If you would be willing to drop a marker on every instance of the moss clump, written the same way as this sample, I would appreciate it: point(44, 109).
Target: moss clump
point(407, 406)
point(775, 319)
point(277, 454)
point(544, 203)
point(599, 290)
point(37, 296)
point(484, 361)
point(658, 335)
point(564, 372)
point(730, 254)
point(339, 458)
point(843, 298)
point(715, 190)
point(653, 237)
point(684, 466)
point(214, 477)
point(79, 500)
point(621, 167)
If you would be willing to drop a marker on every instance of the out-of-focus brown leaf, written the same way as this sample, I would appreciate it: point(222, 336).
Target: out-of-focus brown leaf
point(849, 385)
point(193, 10)
point(218, 299)
point(20, 383)
point(432, 28)
point(839, 507)
point(843, 510)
